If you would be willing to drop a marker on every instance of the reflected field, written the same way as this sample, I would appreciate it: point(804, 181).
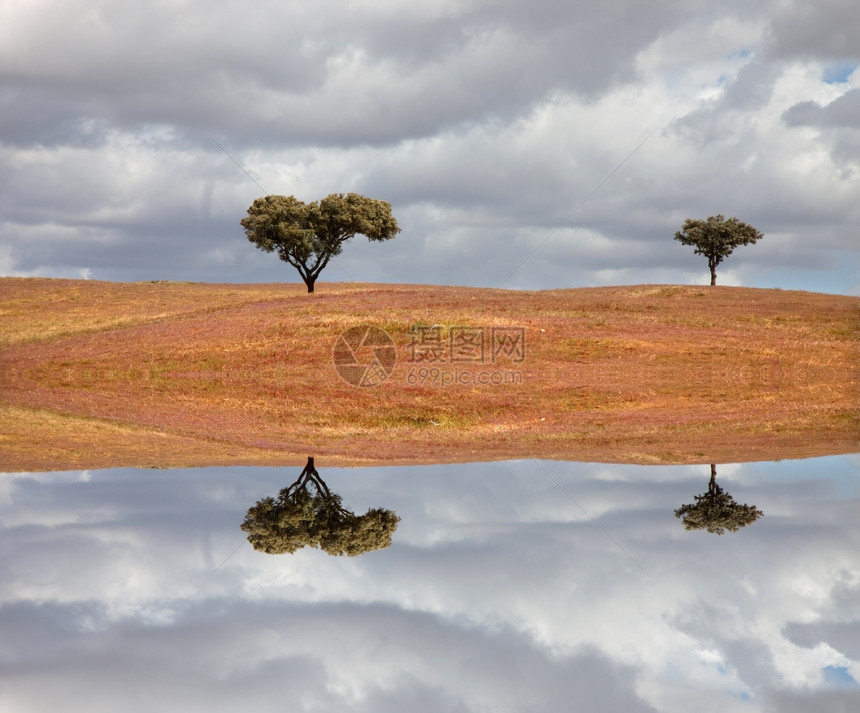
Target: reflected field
point(180, 375)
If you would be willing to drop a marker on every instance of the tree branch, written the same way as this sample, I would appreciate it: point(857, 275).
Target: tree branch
point(319, 268)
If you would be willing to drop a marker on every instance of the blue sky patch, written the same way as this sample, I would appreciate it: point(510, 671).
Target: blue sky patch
point(838, 73)
point(740, 695)
point(839, 676)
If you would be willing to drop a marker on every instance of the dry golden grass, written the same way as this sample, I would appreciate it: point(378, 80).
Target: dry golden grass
point(180, 374)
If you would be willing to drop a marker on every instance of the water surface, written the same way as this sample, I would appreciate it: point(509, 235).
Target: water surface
point(513, 586)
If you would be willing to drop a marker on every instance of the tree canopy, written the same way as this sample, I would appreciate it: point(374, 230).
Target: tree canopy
point(307, 514)
point(716, 238)
point(308, 235)
point(716, 511)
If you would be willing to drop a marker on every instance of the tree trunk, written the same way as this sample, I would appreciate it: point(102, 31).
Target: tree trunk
point(713, 274)
point(310, 283)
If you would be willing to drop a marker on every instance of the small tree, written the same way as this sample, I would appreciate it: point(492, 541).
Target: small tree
point(716, 237)
point(307, 514)
point(716, 511)
point(308, 235)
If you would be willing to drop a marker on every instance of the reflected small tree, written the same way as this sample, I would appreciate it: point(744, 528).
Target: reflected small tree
point(308, 514)
point(716, 511)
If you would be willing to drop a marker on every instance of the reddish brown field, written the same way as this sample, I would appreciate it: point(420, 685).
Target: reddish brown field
point(96, 374)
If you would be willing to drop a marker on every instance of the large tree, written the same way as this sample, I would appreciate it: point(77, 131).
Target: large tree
point(308, 235)
point(716, 237)
point(716, 511)
point(308, 514)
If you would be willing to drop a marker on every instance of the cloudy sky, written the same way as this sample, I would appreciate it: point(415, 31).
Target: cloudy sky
point(521, 144)
point(135, 591)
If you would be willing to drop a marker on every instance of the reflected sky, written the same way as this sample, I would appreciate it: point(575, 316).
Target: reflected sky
point(512, 586)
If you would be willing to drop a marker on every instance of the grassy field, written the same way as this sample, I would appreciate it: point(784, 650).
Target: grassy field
point(97, 374)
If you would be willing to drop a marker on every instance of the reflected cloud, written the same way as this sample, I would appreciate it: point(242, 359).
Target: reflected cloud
point(496, 594)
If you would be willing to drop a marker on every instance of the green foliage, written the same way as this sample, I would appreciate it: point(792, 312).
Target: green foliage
point(716, 511)
point(308, 235)
point(301, 518)
point(716, 238)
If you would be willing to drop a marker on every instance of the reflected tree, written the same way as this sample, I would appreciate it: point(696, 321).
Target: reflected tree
point(716, 511)
point(308, 514)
